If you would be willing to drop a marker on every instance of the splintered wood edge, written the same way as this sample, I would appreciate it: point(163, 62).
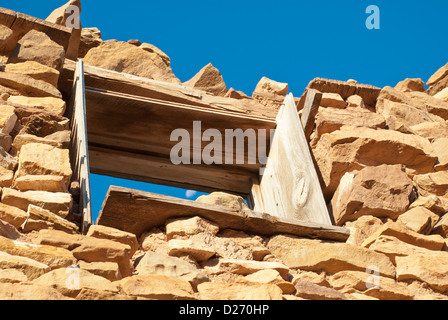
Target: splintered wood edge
point(119, 212)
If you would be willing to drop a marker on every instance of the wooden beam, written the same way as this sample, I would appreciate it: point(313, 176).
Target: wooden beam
point(312, 99)
point(290, 185)
point(138, 212)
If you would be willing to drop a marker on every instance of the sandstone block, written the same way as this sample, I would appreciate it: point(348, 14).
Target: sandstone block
point(41, 159)
point(12, 276)
point(239, 291)
point(442, 95)
point(312, 291)
point(408, 85)
point(383, 191)
point(208, 79)
point(35, 70)
point(28, 86)
point(37, 46)
point(90, 38)
point(46, 220)
point(157, 287)
point(435, 183)
point(435, 204)
point(6, 177)
point(419, 219)
point(439, 75)
point(8, 118)
point(332, 100)
point(126, 238)
point(195, 249)
point(7, 161)
point(29, 292)
point(270, 276)
point(47, 183)
point(5, 34)
point(267, 85)
point(440, 149)
point(12, 215)
point(50, 104)
point(362, 228)
point(108, 270)
point(178, 228)
point(58, 203)
point(314, 255)
point(29, 267)
point(223, 199)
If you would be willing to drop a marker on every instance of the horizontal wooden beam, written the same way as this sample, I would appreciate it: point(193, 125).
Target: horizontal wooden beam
point(137, 212)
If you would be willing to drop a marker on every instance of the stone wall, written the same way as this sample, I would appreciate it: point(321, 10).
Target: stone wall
point(384, 171)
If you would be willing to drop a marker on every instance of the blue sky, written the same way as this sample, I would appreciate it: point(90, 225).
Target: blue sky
point(288, 41)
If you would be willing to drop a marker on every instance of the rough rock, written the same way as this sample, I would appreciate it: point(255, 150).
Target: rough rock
point(408, 85)
point(312, 291)
point(352, 148)
point(49, 183)
point(39, 218)
point(58, 203)
point(178, 228)
point(355, 101)
point(29, 267)
point(70, 281)
point(5, 142)
point(6, 177)
point(435, 204)
point(435, 183)
point(234, 94)
point(35, 70)
point(29, 291)
point(440, 149)
point(41, 124)
point(90, 38)
point(331, 119)
point(332, 100)
point(108, 270)
point(7, 161)
point(362, 228)
point(208, 79)
point(49, 255)
point(12, 276)
point(157, 287)
point(431, 269)
point(383, 191)
point(314, 255)
point(155, 241)
point(23, 139)
point(226, 200)
point(267, 85)
point(160, 264)
point(28, 86)
point(438, 80)
point(442, 95)
point(401, 232)
point(431, 130)
point(419, 219)
point(7, 230)
point(127, 58)
point(12, 215)
point(153, 49)
point(239, 291)
point(41, 159)
point(8, 119)
point(126, 238)
point(270, 276)
point(441, 227)
point(37, 46)
point(49, 104)
point(5, 34)
point(191, 247)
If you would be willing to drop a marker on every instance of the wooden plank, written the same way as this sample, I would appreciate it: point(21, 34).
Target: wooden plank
point(79, 146)
point(311, 105)
point(290, 185)
point(138, 212)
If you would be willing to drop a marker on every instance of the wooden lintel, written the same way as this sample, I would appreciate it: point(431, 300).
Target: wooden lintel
point(138, 212)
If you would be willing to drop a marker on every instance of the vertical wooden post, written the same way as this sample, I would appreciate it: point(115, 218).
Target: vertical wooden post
point(311, 107)
point(79, 145)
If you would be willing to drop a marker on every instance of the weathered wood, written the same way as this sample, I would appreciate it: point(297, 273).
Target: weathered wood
point(137, 212)
point(312, 99)
point(290, 185)
point(79, 145)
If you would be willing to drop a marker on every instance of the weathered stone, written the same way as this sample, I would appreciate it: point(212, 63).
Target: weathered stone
point(234, 94)
point(270, 276)
point(330, 119)
point(12, 276)
point(437, 205)
point(309, 276)
point(24, 139)
point(29, 291)
point(89, 249)
point(231, 244)
point(431, 269)
point(51, 221)
point(442, 95)
point(6, 177)
point(355, 101)
point(362, 228)
point(157, 287)
point(226, 200)
point(332, 100)
point(126, 238)
point(153, 49)
point(267, 85)
point(178, 228)
point(408, 85)
point(60, 15)
point(58, 203)
point(7, 230)
point(90, 38)
point(441, 227)
point(312, 291)
point(70, 281)
point(29, 267)
point(49, 183)
point(37, 46)
point(435, 183)
point(440, 149)
point(401, 232)
point(371, 285)
point(239, 291)
point(35, 70)
point(5, 142)
point(352, 148)
point(49, 255)
point(155, 263)
point(428, 103)
point(155, 241)
point(419, 219)
point(127, 58)
point(208, 79)
point(431, 130)
point(42, 124)
point(8, 118)
point(190, 247)
point(7, 161)
point(28, 86)
point(41, 159)
point(314, 255)
point(5, 34)
point(439, 75)
point(244, 267)
point(12, 215)
point(50, 104)
point(383, 191)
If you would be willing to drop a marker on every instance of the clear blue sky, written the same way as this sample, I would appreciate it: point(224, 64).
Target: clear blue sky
point(288, 41)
